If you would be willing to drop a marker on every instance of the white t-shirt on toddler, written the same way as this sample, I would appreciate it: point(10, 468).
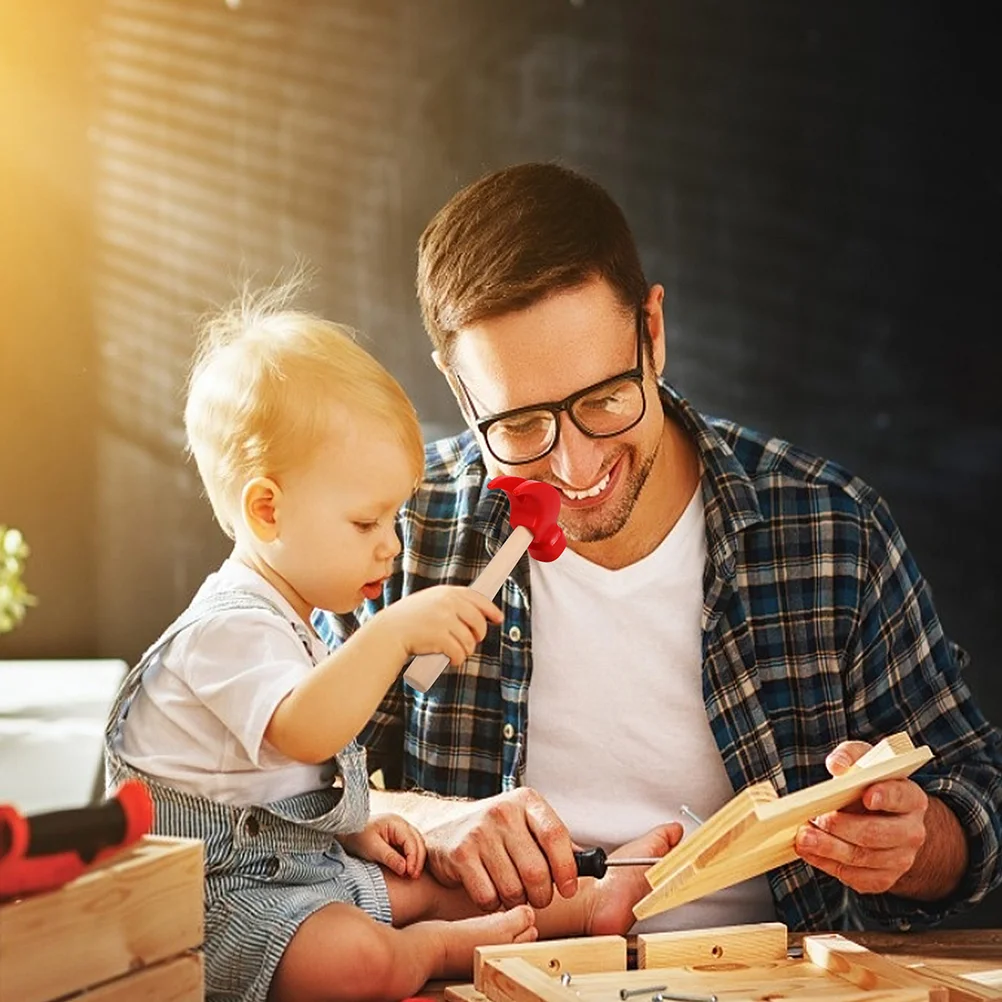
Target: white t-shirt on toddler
point(198, 721)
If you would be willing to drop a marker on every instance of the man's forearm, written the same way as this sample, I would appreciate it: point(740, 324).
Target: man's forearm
point(423, 810)
point(941, 861)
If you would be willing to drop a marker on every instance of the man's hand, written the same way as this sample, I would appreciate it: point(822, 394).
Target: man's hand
point(510, 849)
point(390, 840)
point(872, 844)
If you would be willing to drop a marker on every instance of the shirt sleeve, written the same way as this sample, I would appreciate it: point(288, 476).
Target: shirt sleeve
point(905, 674)
point(240, 666)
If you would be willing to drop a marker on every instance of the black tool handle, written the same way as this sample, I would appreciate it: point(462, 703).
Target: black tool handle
point(591, 862)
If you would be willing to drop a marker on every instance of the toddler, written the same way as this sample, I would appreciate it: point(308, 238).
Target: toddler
point(242, 724)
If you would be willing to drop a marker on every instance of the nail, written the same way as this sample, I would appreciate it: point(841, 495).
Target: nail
point(685, 810)
point(627, 993)
point(679, 997)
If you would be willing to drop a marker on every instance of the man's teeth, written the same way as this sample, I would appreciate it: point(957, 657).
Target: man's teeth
point(590, 493)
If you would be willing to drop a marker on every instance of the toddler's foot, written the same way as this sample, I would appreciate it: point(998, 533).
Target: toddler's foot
point(462, 936)
point(610, 908)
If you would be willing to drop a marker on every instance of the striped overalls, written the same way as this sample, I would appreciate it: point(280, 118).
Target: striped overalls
point(267, 868)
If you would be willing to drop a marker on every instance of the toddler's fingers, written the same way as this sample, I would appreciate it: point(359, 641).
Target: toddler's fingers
point(484, 606)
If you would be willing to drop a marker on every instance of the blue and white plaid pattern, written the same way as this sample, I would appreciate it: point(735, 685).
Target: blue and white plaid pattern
point(817, 628)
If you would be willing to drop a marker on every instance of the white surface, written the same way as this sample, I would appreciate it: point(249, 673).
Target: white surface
point(618, 737)
point(52, 718)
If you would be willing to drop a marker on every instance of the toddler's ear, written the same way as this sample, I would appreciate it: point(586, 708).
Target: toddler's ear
point(259, 508)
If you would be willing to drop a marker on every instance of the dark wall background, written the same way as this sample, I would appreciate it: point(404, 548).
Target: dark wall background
point(816, 185)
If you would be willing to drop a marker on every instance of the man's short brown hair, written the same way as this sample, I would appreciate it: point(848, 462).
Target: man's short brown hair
point(514, 237)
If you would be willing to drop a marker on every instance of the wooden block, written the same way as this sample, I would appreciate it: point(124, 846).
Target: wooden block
point(178, 980)
point(754, 832)
point(512, 979)
point(733, 944)
point(140, 907)
point(737, 814)
point(856, 964)
point(554, 956)
point(464, 993)
point(968, 988)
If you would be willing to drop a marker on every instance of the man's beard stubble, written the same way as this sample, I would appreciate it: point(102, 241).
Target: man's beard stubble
point(614, 518)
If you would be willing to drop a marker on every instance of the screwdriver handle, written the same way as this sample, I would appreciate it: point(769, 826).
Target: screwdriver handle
point(591, 862)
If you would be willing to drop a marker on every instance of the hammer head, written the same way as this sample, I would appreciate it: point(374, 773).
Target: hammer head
point(535, 506)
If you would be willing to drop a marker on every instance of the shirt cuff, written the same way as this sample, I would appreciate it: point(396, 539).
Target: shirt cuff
point(984, 834)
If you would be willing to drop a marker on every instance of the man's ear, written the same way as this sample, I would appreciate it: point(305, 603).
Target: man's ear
point(259, 504)
point(436, 357)
point(654, 310)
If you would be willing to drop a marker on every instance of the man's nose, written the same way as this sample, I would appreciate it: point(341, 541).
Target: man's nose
point(577, 459)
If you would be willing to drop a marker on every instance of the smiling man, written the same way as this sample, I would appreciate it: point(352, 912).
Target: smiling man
point(729, 609)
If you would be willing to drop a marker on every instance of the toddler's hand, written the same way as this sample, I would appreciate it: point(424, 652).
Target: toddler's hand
point(390, 840)
point(446, 619)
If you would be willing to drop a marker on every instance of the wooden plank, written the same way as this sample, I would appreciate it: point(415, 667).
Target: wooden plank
point(734, 816)
point(735, 944)
point(141, 907)
point(580, 956)
point(961, 988)
point(512, 979)
point(463, 993)
point(751, 835)
point(856, 964)
point(178, 980)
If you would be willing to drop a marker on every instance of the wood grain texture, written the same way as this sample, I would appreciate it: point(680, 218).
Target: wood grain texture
point(135, 910)
point(755, 832)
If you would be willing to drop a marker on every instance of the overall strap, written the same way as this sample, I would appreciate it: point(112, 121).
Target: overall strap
point(205, 608)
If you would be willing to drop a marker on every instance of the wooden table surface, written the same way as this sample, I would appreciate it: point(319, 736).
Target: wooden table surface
point(961, 951)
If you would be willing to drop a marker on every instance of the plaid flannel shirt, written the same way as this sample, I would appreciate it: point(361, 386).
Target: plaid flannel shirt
point(817, 628)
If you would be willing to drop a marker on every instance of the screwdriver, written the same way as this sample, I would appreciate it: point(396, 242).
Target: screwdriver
point(595, 862)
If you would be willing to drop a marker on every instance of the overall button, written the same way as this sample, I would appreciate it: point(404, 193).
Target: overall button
point(514, 634)
point(252, 826)
point(508, 731)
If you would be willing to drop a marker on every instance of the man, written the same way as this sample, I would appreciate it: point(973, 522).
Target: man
point(729, 609)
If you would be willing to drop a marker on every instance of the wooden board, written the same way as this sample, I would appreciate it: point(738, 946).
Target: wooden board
point(736, 963)
point(178, 980)
point(755, 831)
point(141, 907)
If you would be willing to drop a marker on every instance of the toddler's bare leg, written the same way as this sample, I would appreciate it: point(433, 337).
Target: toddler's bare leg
point(341, 954)
point(605, 907)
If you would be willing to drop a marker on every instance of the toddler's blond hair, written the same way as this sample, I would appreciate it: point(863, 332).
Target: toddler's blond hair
point(260, 381)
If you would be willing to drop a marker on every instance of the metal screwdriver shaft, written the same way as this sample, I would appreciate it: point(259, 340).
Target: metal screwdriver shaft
point(595, 862)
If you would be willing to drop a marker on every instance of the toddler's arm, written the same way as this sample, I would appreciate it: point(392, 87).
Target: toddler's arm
point(332, 704)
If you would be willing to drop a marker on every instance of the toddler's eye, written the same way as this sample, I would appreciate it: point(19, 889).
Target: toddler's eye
point(365, 526)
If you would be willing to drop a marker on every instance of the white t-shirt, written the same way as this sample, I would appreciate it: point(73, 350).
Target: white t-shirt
point(618, 737)
point(198, 721)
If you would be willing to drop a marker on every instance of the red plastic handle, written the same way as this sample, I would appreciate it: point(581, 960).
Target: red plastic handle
point(536, 506)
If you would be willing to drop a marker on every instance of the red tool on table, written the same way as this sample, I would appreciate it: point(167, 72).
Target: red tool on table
point(44, 851)
point(535, 507)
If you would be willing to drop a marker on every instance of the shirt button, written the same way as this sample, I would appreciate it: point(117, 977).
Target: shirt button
point(514, 634)
point(508, 731)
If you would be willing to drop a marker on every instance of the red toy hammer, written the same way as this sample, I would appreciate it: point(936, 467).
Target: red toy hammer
point(534, 510)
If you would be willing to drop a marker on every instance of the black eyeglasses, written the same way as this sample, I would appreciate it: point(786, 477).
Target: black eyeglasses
point(602, 410)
